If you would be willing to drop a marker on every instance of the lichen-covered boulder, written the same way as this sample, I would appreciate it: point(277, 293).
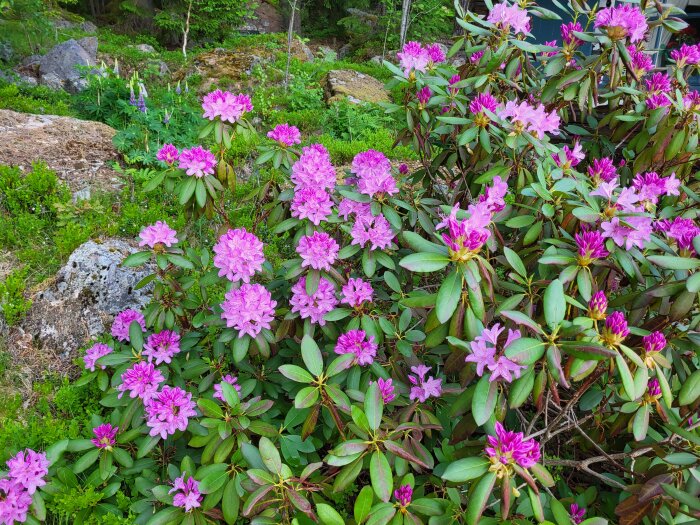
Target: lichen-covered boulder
point(354, 86)
point(85, 295)
point(63, 63)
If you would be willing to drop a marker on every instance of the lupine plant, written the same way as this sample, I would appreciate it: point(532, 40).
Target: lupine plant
point(508, 333)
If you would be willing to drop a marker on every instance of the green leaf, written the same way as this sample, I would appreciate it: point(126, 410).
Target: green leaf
point(448, 296)
point(479, 498)
point(374, 406)
point(306, 397)
point(690, 391)
point(484, 400)
point(328, 515)
point(515, 261)
point(640, 424)
point(187, 189)
point(86, 461)
point(380, 475)
point(554, 304)
point(363, 504)
point(216, 478)
point(296, 373)
point(525, 351)
point(424, 262)
point(466, 469)
point(683, 497)
point(136, 259)
point(179, 260)
point(165, 516)
point(587, 351)
point(381, 514)
point(626, 376)
point(136, 336)
point(230, 503)
point(230, 394)
point(311, 354)
point(561, 515)
point(270, 455)
point(673, 262)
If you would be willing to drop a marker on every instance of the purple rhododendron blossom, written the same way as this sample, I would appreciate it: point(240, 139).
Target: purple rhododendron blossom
point(577, 513)
point(197, 162)
point(314, 169)
point(386, 389)
point(319, 251)
point(508, 448)
point(374, 230)
point(654, 388)
point(14, 502)
point(168, 411)
point(356, 292)
point(187, 495)
point(158, 233)
point(567, 33)
point(602, 170)
point(622, 21)
point(360, 344)
point(373, 172)
point(423, 387)
point(572, 157)
point(285, 134)
point(105, 435)
point(141, 380)
point(225, 105)
point(248, 309)
point(591, 246)
point(162, 346)
point(316, 305)
point(654, 342)
point(681, 230)
point(168, 154)
point(238, 255)
point(511, 17)
point(483, 101)
point(403, 495)
point(93, 353)
point(122, 322)
point(413, 57)
point(312, 203)
point(534, 119)
point(641, 62)
point(349, 207)
point(28, 468)
point(686, 55)
point(598, 305)
point(484, 348)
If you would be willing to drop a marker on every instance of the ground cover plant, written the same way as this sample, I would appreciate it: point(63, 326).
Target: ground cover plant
point(506, 334)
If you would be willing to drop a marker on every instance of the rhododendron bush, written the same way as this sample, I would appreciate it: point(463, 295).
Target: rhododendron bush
point(508, 332)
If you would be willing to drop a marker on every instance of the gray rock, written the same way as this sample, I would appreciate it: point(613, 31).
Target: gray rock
point(6, 51)
point(28, 79)
point(82, 195)
point(32, 60)
point(64, 60)
point(52, 81)
point(63, 24)
point(161, 66)
point(344, 51)
point(377, 59)
point(85, 295)
point(88, 27)
point(144, 48)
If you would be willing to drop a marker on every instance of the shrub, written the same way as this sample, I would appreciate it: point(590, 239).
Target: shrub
point(409, 361)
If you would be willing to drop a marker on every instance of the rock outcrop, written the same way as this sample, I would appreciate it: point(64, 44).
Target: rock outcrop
point(80, 151)
point(60, 68)
point(81, 301)
point(354, 86)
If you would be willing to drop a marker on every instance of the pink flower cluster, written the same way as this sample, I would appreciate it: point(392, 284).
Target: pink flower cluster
point(615, 329)
point(319, 251)
point(567, 33)
point(654, 342)
point(93, 353)
point(238, 255)
point(484, 348)
point(105, 435)
point(315, 305)
point(162, 346)
point(654, 388)
point(650, 187)
point(386, 389)
point(403, 495)
point(197, 162)
point(465, 237)
point(231, 380)
point(534, 119)
point(314, 169)
point(508, 448)
point(423, 387)
point(598, 306)
point(569, 158)
point(591, 246)
point(26, 472)
point(622, 21)
point(372, 229)
point(483, 101)
point(510, 17)
point(373, 172)
point(682, 231)
point(285, 134)
point(602, 170)
point(187, 495)
point(141, 380)
point(349, 207)
point(641, 61)
point(248, 309)
point(356, 292)
point(122, 322)
point(658, 88)
point(225, 105)
point(168, 154)
point(360, 344)
point(158, 233)
point(168, 411)
point(686, 55)
point(415, 57)
point(311, 203)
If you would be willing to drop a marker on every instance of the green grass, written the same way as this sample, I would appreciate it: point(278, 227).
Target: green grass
point(34, 99)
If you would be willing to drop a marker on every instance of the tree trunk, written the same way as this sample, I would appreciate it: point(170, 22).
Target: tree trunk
point(405, 12)
point(290, 37)
point(186, 31)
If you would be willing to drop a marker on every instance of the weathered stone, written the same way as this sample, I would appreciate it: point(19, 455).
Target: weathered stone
point(267, 19)
point(225, 69)
point(88, 27)
point(144, 48)
point(353, 86)
point(6, 51)
point(63, 61)
point(80, 151)
point(344, 51)
point(85, 295)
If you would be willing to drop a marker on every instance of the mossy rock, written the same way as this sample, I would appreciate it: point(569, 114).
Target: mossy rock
point(353, 86)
